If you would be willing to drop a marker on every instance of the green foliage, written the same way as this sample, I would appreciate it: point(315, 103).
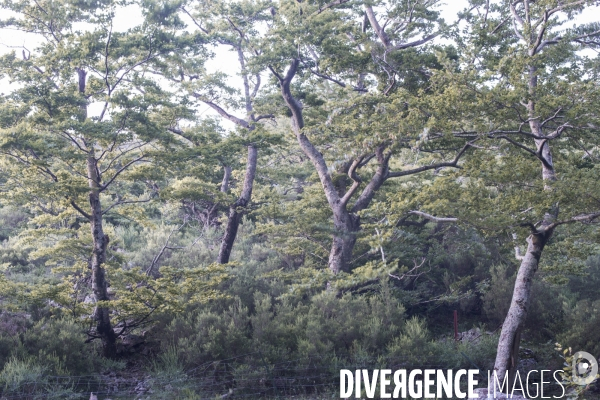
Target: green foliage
point(58, 344)
point(415, 347)
point(545, 315)
point(332, 326)
point(573, 390)
point(20, 376)
point(29, 378)
point(393, 103)
point(581, 324)
point(278, 329)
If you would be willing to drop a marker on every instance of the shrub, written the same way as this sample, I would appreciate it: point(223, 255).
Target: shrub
point(22, 377)
point(413, 347)
point(339, 325)
point(207, 336)
point(544, 314)
point(583, 325)
point(59, 345)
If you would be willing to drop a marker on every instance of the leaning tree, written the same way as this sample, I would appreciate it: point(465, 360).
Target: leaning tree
point(524, 89)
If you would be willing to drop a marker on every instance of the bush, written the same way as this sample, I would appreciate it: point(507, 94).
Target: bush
point(340, 325)
point(60, 346)
point(414, 348)
point(28, 378)
point(544, 314)
point(583, 325)
point(208, 336)
point(22, 377)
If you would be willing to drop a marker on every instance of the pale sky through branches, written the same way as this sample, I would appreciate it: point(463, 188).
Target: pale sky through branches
point(224, 60)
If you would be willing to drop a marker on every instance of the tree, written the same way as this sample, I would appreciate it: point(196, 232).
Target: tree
point(551, 107)
point(82, 124)
point(229, 26)
point(526, 92)
point(372, 79)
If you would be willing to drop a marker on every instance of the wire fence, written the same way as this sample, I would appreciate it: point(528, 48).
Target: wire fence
point(246, 376)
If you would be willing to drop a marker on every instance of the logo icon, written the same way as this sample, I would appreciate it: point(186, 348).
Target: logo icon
point(584, 367)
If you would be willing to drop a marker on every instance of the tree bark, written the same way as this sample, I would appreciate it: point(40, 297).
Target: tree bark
point(235, 209)
point(508, 343)
point(235, 214)
point(346, 221)
point(344, 238)
point(383, 36)
point(226, 178)
point(507, 354)
point(104, 328)
point(100, 241)
point(345, 224)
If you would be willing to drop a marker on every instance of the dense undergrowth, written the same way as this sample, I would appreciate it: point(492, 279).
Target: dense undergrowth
point(276, 330)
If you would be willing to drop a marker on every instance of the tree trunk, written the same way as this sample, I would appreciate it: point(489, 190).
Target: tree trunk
point(508, 344)
point(235, 212)
point(344, 238)
point(226, 178)
point(346, 222)
point(510, 336)
point(233, 223)
point(104, 328)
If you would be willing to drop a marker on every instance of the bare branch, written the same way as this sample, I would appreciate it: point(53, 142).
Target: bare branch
point(222, 112)
point(256, 86)
point(513, 11)
point(357, 181)
point(537, 154)
point(410, 273)
point(552, 117)
point(194, 21)
point(123, 168)
point(157, 257)
point(516, 19)
point(500, 25)
point(385, 39)
point(432, 218)
point(330, 5)
point(265, 116)
point(584, 218)
point(563, 6)
point(417, 42)
point(545, 43)
point(181, 133)
point(75, 206)
point(121, 154)
point(540, 35)
point(453, 163)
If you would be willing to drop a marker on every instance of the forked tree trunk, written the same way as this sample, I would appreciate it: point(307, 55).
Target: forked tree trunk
point(346, 222)
point(104, 328)
point(236, 209)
